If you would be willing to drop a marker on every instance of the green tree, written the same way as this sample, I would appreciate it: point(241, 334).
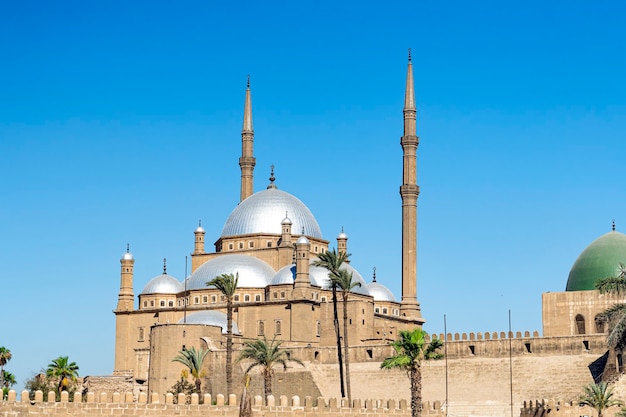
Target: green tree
point(63, 371)
point(5, 356)
point(266, 355)
point(332, 261)
point(599, 396)
point(193, 359)
point(614, 316)
point(227, 285)
point(343, 281)
point(410, 350)
point(8, 381)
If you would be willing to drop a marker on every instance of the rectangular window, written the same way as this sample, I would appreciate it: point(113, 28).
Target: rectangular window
point(269, 243)
point(236, 298)
point(196, 300)
point(257, 298)
point(213, 299)
point(261, 329)
point(278, 327)
point(162, 303)
point(141, 334)
point(282, 294)
point(170, 303)
point(251, 244)
point(246, 298)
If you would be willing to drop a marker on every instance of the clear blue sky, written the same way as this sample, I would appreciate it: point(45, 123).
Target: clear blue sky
point(120, 122)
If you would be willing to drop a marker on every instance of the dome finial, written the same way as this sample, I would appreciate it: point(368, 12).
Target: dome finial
point(302, 230)
point(409, 54)
point(164, 266)
point(128, 245)
point(613, 225)
point(249, 74)
point(200, 223)
point(374, 277)
point(272, 178)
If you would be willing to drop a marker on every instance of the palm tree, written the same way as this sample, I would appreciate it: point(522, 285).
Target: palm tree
point(410, 350)
point(615, 315)
point(599, 396)
point(266, 355)
point(227, 284)
point(193, 360)
point(332, 261)
point(62, 370)
point(5, 356)
point(9, 379)
point(344, 282)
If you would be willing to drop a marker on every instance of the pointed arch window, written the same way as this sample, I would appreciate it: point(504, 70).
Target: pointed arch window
point(580, 324)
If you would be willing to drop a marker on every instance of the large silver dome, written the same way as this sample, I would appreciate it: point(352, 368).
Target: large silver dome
point(380, 292)
point(253, 272)
point(318, 277)
point(163, 284)
point(210, 318)
point(264, 211)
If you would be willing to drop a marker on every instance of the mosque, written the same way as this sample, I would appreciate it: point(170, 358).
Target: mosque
point(271, 239)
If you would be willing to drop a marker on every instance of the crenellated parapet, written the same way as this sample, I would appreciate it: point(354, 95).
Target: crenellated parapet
point(554, 408)
point(499, 344)
point(194, 405)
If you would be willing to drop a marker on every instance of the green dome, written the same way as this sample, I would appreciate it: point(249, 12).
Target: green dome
point(599, 260)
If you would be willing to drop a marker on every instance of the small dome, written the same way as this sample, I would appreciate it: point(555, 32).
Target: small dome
point(127, 256)
point(302, 240)
point(342, 235)
point(199, 229)
point(263, 212)
point(286, 220)
point(318, 277)
point(599, 260)
point(163, 284)
point(253, 272)
point(210, 318)
point(380, 292)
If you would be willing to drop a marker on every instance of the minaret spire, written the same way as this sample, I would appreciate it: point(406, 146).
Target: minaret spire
point(409, 191)
point(247, 160)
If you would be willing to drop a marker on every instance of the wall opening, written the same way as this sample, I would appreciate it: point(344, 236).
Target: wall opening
point(370, 353)
point(580, 324)
point(472, 349)
point(528, 350)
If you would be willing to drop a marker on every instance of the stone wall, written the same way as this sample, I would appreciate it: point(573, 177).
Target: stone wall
point(128, 405)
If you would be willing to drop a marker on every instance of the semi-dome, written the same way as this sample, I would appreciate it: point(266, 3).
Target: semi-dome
point(379, 292)
point(599, 260)
point(318, 277)
point(163, 284)
point(253, 272)
point(210, 318)
point(264, 211)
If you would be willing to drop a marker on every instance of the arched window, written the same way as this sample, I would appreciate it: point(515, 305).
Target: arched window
point(261, 331)
point(278, 327)
point(580, 324)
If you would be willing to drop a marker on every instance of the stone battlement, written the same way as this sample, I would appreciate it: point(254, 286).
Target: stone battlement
point(541, 408)
point(167, 405)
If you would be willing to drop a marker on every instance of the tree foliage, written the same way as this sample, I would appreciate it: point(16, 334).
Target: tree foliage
point(614, 316)
point(599, 396)
point(266, 355)
point(410, 349)
point(63, 371)
point(227, 285)
point(5, 356)
point(332, 261)
point(193, 359)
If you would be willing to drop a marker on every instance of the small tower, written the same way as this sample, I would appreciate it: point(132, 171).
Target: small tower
point(199, 244)
point(247, 160)
point(285, 238)
point(302, 282)
point(409, 191)
point(342, 244)
point(126, 298)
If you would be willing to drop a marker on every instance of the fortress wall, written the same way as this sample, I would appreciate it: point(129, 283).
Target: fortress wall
point(128, 405)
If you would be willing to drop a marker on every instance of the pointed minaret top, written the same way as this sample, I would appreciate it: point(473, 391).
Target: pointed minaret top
point(409, 92)
point(613, 225)
point(374, 277)
point(164, 266)
point(128, 244)
point(247, 110)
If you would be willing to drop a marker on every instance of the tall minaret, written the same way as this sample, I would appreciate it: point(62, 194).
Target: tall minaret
point(409, 190)
point(126, 298)
point(247, 160)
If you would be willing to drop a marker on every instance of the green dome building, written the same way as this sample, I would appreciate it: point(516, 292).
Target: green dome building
point(599, 260)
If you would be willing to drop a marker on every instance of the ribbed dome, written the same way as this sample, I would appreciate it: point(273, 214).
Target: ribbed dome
point(599, 260)
point(318, 277)
point(380, 292)
point(210, 318)
point(163, 284)
point(264, 211)
point(253, 272)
